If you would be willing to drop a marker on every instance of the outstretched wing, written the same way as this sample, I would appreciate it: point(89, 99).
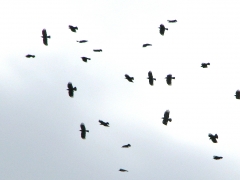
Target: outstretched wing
point(127, 76)
point(169, 79)
point(101, 122)
point(70, 92)
point(165, 121)
point(70, 86)
point(82, 126)
point(83, 134)
point(44, 33)
point(150, 75)
point(45, 41)
point(166, 114)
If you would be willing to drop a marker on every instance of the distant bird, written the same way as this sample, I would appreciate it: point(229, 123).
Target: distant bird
point(72, 28)
point(85, 59)
point(82, 41)
point(97, 50)
point(83, 131)
point(150, 77)
point(162, 29)
point(169, 79)
point(205, 65)
point(123, 170)
point(30, 56)
point(104, 123)
point(130, 79)
point(71, 89)
point(145, 45)
point(172, 21)
point(217, 157)
point(126, 146)
point(237, 94)
point(45, 37)
point(213, 137)
point(166, 117)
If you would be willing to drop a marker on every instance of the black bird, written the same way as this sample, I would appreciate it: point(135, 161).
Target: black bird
point(162, 29)
point(205, 65)
point(82, 41)
point(217, 157)
point(85, 59)
point(126, 146)
point(97, 50)
point(123, 170)
point(237, 94)
point(145, 45)
point(73, 29)
point(169, 79)
point(45, 37)
point(130, 79)
point(104, 123)
point(172, 21)
point(29, 56)
point(213, 137)
point(83, 131)
point(71, 89)
point(166, 117)
point(150, 77)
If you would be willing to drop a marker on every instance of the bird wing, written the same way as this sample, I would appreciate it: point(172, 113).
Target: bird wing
point(70, 93)
point(44, 33)
point(166, 114)
point(210, 135)
point(150, 74)
point(127, 76)
point(70, 86)
point(45, 41)
point(165, 121)
point(82, 126)
point(169, 80)
point(101, 122)
point(83, 134)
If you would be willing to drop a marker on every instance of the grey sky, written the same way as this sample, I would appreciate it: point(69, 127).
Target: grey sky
point(39, 127)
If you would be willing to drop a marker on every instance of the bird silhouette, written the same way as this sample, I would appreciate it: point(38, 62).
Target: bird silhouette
point(150, 77)
point(45, 37)
point(123, 170)
point(166, 117)
point(71, 89)
point(72, 28)
point(237, 94)
point(169, 79)
point(126, 146)
point(172, 21)
point(82, 41)
point(213, 137)
point(162, 29)
point(217, 157)
point(145, 45)
point(85, 59)
point(130, 79)
point(30, 56)
point(104, 123)
point(205, 65)
point(97, 50)
point(83, 131)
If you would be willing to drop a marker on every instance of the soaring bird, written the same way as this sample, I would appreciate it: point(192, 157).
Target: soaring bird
point(83, 131)
point(162, 29)
point(130, 79)
point(126, 146)
point(217, 157)
point(30, 56)
point(145, 45)
point(169, 79)
point(45, 37)
point(97, 50)
point(123, 170)
point(205, 65)
point(85, 59)
point(82, 41)
point(213, 137)
point(104, 123)
point(237, 94)
point(150, 77)
point(166, 117)
point(73, 29)
point(71, 89)
point(172, 21)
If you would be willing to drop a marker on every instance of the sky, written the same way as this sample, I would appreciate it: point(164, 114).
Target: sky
point(39, 127)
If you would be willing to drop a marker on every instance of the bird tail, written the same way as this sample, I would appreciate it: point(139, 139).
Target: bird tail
point(89, 58)
point(154, 79)
point(33, 56)
point(166, 28)
point(173, 77)
point(208, 63)
point(75, 89)
point(87, 130)
point(170, 120)
point(49, 37)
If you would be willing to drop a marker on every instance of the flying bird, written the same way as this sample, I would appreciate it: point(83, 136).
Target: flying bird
point(213, 137)
point(205, 65)
point(97, 50)
point(83, 131)
point(126, 146)
point(45, 37)
point(85, 59)
point(150, 77)
point(30, 56)
point(82, 41)
point(166, 117)
point(169, 79)
point(237, 94)
point(162, 29)
point(104, 123)
point(123, 170)
point(172, 21)
point(130, 79)
point(217, 157)
point(72, 28)
point(145, 45)
point(71, 89)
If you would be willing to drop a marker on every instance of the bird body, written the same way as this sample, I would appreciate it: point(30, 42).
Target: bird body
point(83, 131)
point(237, 94)
point(172, 21)
point(169, 79)
point(130, 79)
point(213, 137)
point(82, 41)
point(85, 59)
point(217, 157)
point(162, 29)
point(72, 28)
point(205, 65)
point(150, 77)
point(145, 45)
point(30, 56)
point(71, 89)
point(123, 170)
point(126, 146)
point(166, 117)
point(104, 123)
point(97, 50)
point(45, 37)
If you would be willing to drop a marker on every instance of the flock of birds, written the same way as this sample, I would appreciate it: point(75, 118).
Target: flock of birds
point(169, 78)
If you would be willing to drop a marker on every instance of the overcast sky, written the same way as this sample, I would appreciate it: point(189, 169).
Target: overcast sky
point(39, 127)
